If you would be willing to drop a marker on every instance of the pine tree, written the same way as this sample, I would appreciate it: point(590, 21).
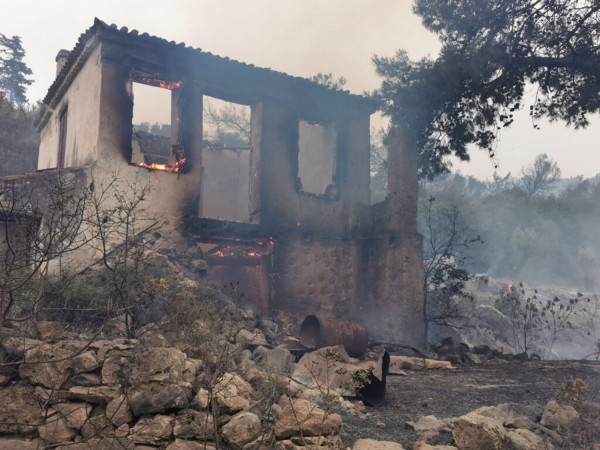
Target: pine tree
point(13, 71)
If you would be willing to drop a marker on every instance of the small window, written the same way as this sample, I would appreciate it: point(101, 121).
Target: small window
point(155, 139)
point(225, 161)
point(316, 158)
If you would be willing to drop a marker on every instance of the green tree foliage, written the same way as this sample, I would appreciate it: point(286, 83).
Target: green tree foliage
point(13, 71)
point(19, 141)
point(490, 50)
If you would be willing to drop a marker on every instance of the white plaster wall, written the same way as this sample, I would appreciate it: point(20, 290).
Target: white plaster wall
point(83, 119)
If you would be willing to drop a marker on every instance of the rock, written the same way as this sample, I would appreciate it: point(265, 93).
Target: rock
point(428, 423)
point(56, 430)
point(201, 399)
point(180, 444)
point(94, 394)
point(507, 415)
point(475, 432)
point(97, 426)
point(51, 368)
point(191, 424)
point(118, 411)
point(153, 430)
point(86, 379)
point(122, 431)
point(155, 398)
point(302, 416)
point(425, 446)
point(372, 444)
point(254, 339)
point(278, 360)
point(556, 415)
point(20, 444)
point(99, 444)
point(16, 347)
point(84, 362)
point(521, 439)
point(399, 363)
point(307, 442)
point(232, 393)
point(242, 429)
point(103, 347)
point(48, 396)
point(192, 367)
point(50, 332)
point(19, 412)
point(145, 366)
point(74, 413)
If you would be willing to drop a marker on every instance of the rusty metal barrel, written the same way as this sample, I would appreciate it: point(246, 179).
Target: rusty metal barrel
point(320, 332)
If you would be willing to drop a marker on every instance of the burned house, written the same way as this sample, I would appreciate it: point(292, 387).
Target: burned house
point(286, 212)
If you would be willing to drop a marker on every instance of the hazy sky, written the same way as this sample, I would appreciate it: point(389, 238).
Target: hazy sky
point(300, 37)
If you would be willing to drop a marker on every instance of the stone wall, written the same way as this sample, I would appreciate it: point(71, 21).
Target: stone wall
point(314, 275)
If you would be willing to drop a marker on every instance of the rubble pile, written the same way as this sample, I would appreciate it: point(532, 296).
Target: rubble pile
point(66, 391)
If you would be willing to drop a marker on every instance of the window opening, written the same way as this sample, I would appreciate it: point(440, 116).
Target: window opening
point(225, 161)
point(155, 139)
point(62, 138)
point(316, 158)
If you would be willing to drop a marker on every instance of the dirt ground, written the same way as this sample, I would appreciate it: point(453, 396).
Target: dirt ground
point(526, 385)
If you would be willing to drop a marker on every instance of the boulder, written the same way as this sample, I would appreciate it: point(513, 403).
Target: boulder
point(299, 416)
point(16, 347)
point(84, 362)
point(51, 368)
point(153, 430)
point(86, 379)
point(201, 399)
point(475, 432)
point(146, 366)
point(118, 411)
point(556, 415)
point(505, 413)
point(103, 347)
point(428, 423)
point(181, 444)
point(521, 439)
point(308, 442)
point(56, 430)
point(98, 426)
point(232, 393)
point(94, 394)
point(20, 412)
point(21, 444)
point(156, 398)
point(372, 444)
point(191, 424)
point(278, 360)
point(50, 331)
point(74, 413)
point(242, 429)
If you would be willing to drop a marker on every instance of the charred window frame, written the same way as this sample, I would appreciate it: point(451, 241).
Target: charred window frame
point(156, 148)
point(317, 159)
point(227, 128)
point(62, 136)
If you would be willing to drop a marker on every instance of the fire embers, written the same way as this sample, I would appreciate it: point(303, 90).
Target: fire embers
point(256, 249)
point(176, 162)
